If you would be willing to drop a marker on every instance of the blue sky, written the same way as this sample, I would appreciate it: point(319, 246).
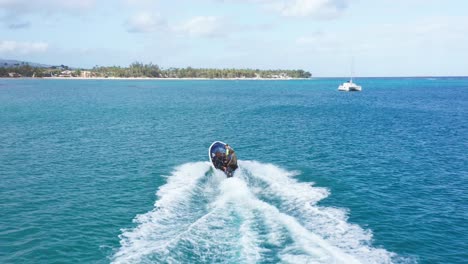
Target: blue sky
point(385, 37)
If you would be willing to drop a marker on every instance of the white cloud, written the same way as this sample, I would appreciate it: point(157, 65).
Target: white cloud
point(318, 9)
point(38, 6)
point(14, 22)
point(322, 9)
point(145, 22)
point(139, 2)
point(18, 24)
point(15, 47)
point(204, 26)
point(14, 11)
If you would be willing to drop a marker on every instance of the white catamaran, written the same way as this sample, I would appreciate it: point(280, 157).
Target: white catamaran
point(349, 86)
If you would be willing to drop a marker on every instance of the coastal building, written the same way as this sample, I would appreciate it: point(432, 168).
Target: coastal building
point(66, 73)
point(85, 74)
point(14, 75)
point(280, 76)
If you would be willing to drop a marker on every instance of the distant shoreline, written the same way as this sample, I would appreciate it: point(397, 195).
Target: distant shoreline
point(153, 78)
point(220, 79)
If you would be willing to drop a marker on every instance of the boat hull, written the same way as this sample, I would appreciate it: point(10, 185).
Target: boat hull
point(349, 87)
point(219, 148)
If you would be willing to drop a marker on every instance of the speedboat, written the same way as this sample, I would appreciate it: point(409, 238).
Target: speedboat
point(349, 86)
point(222, 157)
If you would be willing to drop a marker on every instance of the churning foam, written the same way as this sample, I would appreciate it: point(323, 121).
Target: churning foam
point(261, 215)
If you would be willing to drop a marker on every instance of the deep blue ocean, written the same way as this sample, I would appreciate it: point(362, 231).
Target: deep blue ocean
point(99, 171)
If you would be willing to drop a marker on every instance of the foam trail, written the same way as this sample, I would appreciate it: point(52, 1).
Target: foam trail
point(156, 225)
point(299, 199)
point(316, 248)
point(262, 215)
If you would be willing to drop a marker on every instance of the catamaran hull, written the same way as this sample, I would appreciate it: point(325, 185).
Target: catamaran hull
point(349, 87)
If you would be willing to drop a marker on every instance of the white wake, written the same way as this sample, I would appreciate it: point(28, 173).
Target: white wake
point(261, 215)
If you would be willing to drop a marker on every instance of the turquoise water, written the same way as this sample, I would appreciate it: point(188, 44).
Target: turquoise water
point(374, 177)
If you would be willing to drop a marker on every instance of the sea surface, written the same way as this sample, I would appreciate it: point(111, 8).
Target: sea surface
point(101, 171)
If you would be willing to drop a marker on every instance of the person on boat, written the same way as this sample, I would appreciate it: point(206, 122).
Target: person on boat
point(219, 160)
point(231, 159)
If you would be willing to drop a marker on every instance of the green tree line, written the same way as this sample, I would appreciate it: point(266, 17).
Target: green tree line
point(138, 69)
point(26, 70)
